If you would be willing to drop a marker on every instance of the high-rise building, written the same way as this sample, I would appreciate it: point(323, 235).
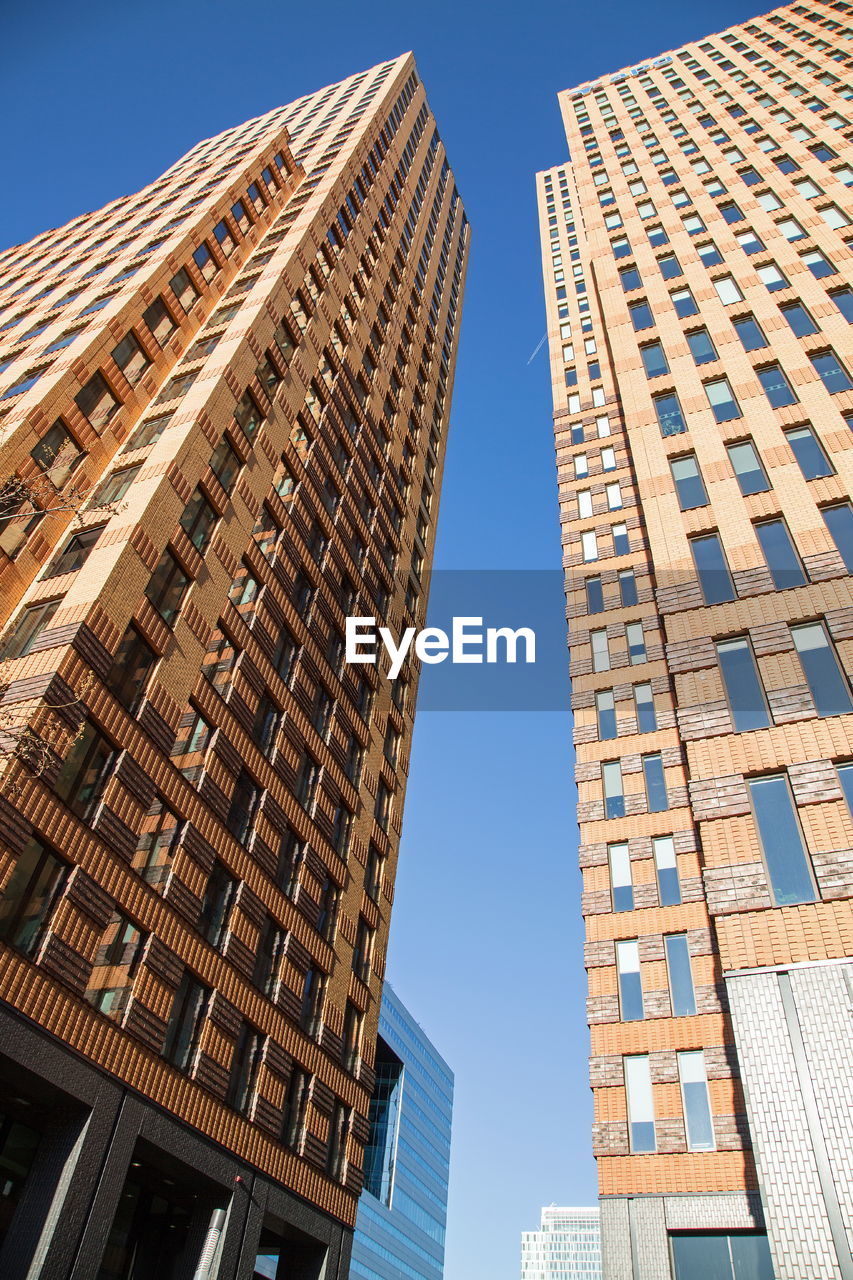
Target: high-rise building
point(567, 1246)
point(224, 403)
point(699, 288)
point(402, 1212)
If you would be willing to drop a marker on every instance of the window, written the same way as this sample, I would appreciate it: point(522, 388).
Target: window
point(295, 1106)
point(689, 486)
point(694, 1096)
point(772, 277)
point(29, 896)
point(630, 278)
point(31, 625)
point(614, 796)
point(185, 1021)
point(630, 983)
point(85, 772)
point(693, 224)
point(627, 587)
point(641, 316)
point(130, 358)
point(184, 289)
point(245, 1064)
point(382, 808)
point(116, 961)
point(594, 595)
point(721, 1257)
point(748, 468)
point(657, 237)
point(584, 497)
point(799, 319)
point(605, 710)
point(780, 554)
point(727, 290)
point(225, 464)
point(749, 332)
point(682, 996)
point(785, 855)
point(636, 643)
point(654, 360)
point(831, 371)
point(829, 685)
point(159, 321)
point(808, 452)
point(600, 650)
point(608, 459)
point(133, 663)
point(701, 347)
point(791, 229)
point(669, 415)
point(709, 254)
point(749, 242)
point(670, 267)
point(313, 994)
point(684, 303)
point(722, 400)
point(167, 587)
point(655, 783)
point(644, 706)
point(199, 520)
point(712, 569)
point(75, 553)
point(621, 886)
point(336, 1148)
point(115, 486)
point(589, 547)
point(621, 247)
point(669, 889)
point(818, 264)
point(96, 402)
point(244, 803)
point(363, 950)
point(839, 522)
point(743, 685)
point(641, 1114)
point(57, 453)
point(843, 299)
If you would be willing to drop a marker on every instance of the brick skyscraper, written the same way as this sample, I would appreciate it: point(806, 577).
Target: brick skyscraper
point(697, 260)
point(224, 403)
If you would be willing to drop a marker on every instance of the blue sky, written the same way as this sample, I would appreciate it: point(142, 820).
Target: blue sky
point(98, 99)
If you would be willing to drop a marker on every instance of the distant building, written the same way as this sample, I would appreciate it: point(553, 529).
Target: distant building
point(567, 1246)
point(403, 1209)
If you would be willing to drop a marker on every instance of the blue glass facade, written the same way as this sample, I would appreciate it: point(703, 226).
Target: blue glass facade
point(402, 1211)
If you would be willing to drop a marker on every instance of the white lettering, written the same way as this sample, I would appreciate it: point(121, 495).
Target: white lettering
point(397, 653)
point(511, 637)
point(356, 636)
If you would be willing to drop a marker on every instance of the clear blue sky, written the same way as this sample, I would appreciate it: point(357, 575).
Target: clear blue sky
point(98, 98)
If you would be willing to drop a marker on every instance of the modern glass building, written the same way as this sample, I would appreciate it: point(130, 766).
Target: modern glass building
point(567, 1246)
point(403, 1208)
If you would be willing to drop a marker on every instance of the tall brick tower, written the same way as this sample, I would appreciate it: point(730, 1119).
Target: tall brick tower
point(224, 402)
point(699, 286)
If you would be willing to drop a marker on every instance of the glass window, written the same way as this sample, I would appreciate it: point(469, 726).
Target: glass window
point(845, 777)
point(130, 358)
point(709, 254)
point(630, 278)
point(630, 984)
point(808, 452)
point(743, 684)
point(684, 303)
point(818, 264)
point(694, 1095)
point(712, 569)
point(29, 896)
point(97, 402)
point(689, 485)
point(627, 587)
point(75, 553)
point(669, 889)
point(722, 400)
point(750, 333)
point(614, 796)
point(745, 1256)
point(636, 643)
point(829, 685)
point(799, 319)
point(776, 386)
point(133, 662)
point(681, 991)
point(621, 886)
point(831, 371)
point(749, 241)
point(772, 277)
point(653, 776)
point(589, 547)
point(185, 1022)
point(31, 625)
point(605, 709)
point(600, 650)
point(669, 415)
point(621, 543)
point(747, 466)
point(791, 229)
point(654, 360)
point(780, 554)
point(785, 855)
point(641, 316)
point(641, 1114)
point(839, 522)
point(701, 347)
point(670, 267)
point(644, 705)
point(167, 587)
point(594, 595)
point(225, 464)
point(843, 299)
point(727, 290)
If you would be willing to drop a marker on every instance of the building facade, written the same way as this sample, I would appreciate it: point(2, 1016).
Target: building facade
point(698, 281)
point(402, 1212)
point(567, 1246)
point(223, 409)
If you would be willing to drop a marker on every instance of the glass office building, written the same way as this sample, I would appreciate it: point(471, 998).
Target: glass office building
point(567, 1246)
point(403, 1208)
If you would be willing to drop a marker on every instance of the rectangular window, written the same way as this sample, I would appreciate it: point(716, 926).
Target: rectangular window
point(750, 333)
point(666, 870)
point(843, 299)
point(831, 372)
point(614, 796)
point(799, 319)
point(743, 684)
point(130, 358)
point(641, 1114)
point(75, 553)
point(630, 984)
point(654, 360)
point(653, 776)
point(29, 896)
point(31, 625)
point(684, 303)
point(689, 486)
point(133, 663)
point(780, 554)
point(621, 885)
point(829, 685)
point(722, 400)
point(641, 315)
point(776, 386)
point(682, 995)
point(636, 643)
point(712, 569)
point(600, 650)
point(772, 277)
point(97, 402)
point(605, 710)
point(727, 290)
point(167, 587)
point(744, 1256)
point(627, 588)
point(701, 347)
point(594, 595)
point(669, 415)
point(644, 705)
point(748, 468)
point(839, 522)
point(697, 1106)
point(185, 1022)
point(808, 452)
point(785, 855)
